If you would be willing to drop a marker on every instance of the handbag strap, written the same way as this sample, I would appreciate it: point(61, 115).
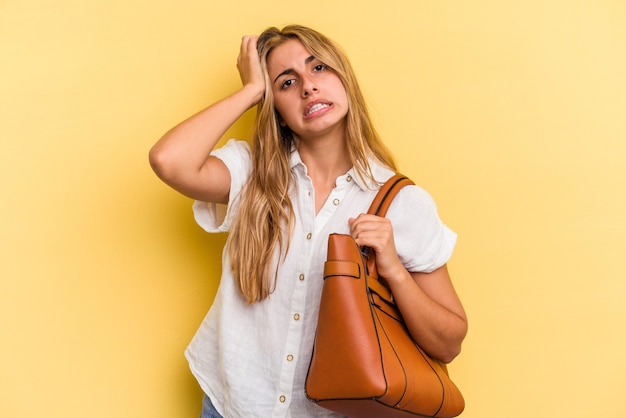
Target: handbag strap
point(387, 192)
point(381, 203)
point(379, 207)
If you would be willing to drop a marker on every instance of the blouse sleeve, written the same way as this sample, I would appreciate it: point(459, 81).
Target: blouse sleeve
point(215, 217)
point(422, 240)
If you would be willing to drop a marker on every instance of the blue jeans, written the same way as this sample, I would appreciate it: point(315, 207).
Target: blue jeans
point(208, 411)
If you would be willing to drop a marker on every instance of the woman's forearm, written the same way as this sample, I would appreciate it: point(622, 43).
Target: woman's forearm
point(179, 156)
point(436, 321)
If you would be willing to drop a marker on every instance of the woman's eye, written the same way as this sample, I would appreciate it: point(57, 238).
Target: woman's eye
point(287, 83)
point(319, 67)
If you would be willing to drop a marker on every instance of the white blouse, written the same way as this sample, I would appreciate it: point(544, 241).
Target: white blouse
point(252, 360)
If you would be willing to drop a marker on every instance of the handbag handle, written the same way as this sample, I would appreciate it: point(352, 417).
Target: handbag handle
point(379, 207)
point(387, 192)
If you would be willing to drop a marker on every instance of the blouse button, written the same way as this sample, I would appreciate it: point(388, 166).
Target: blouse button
point(282, 398)
point(349, 178)
point(309, 235)
point(336, 202)
point(290, 357)
point(301, 277)
point(296, 317)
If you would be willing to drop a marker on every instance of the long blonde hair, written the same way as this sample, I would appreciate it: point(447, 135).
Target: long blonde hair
point(265, 218)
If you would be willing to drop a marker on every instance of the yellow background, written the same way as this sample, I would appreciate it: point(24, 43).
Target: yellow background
point(512, 114)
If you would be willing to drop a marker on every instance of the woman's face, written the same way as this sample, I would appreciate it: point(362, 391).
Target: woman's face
point(309, 97)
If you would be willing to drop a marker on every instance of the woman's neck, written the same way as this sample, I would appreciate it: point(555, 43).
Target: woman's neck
point(325, 159)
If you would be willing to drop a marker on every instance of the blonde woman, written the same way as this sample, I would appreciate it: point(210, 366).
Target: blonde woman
point(313, 168)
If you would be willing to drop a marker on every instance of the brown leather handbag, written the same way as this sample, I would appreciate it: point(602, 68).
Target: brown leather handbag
point(365, 364)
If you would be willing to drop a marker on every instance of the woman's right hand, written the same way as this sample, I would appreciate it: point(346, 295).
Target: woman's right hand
point(249, 66)
point(181, 158)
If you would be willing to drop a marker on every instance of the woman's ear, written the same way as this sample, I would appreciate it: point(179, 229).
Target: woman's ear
point(280, 120)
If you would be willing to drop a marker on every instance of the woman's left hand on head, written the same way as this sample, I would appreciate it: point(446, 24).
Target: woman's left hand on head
point(249, 65)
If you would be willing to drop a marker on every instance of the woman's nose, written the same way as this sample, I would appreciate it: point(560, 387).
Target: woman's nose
point(308, 88)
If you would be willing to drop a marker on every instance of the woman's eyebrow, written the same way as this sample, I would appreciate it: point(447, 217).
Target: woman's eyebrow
point(291, 70)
